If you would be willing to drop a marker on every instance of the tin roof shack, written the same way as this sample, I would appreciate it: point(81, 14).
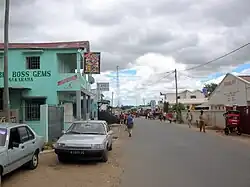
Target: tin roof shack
point(46, 75)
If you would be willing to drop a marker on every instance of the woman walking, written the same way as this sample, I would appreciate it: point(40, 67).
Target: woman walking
point(130, 124)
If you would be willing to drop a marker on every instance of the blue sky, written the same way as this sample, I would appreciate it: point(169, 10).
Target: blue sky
point(125, 72)
point(239, 69)
point(132, 72)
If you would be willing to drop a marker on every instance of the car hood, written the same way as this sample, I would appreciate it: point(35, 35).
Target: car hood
point(80, 139)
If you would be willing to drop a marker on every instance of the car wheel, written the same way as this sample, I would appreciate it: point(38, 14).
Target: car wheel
point(105, 156)
point(34, 162)
point(61, 158)
point(110, 147)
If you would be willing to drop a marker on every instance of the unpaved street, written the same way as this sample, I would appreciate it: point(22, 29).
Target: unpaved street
point(51, 173)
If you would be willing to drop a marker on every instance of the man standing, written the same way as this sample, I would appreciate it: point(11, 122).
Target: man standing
point(122, 118)
point(189, 118)
point(202, 122)
point(130, 124)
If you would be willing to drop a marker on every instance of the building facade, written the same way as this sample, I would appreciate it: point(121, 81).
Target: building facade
point(188, 98)
point(43, 74)
point(232, 90)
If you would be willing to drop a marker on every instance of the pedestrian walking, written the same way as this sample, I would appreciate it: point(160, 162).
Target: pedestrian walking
point(189, 118)
point(130, 124)
point(202, 122)
point(164, 116)
point(122, 116)
point(175, 116)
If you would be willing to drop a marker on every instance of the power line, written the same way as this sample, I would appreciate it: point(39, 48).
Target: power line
point(218, 58)
point(160, 79)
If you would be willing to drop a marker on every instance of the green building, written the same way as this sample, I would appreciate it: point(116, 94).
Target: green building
point(47, 90)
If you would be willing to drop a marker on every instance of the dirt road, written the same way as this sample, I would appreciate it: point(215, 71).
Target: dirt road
point(52, 173)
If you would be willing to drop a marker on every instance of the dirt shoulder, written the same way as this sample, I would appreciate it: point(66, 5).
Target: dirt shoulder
point(244, 138)
point(52, 173)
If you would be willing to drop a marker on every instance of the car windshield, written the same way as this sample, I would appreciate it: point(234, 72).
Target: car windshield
point(3, 133)
point(86, 128)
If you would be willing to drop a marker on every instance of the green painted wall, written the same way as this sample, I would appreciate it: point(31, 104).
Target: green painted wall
point(42, 82)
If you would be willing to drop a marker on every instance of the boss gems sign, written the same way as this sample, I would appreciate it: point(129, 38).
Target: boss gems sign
point(26, 76)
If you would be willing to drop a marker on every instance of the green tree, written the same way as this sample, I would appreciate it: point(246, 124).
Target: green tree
point(210, 88)
point(165, 106)
point(178, 108)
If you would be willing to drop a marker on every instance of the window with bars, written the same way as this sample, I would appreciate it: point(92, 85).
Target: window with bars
point(32, 109)
point(33, 62)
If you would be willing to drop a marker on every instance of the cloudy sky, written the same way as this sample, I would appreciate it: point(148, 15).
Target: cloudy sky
point(144, 38)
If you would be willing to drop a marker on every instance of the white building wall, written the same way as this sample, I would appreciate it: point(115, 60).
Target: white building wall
point(229, 92)
point(185, 95)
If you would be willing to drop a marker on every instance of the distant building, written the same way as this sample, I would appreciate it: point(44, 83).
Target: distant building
point(232, 90)
point(187, 98)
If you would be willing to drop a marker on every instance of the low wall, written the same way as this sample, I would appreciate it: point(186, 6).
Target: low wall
point(212, 117)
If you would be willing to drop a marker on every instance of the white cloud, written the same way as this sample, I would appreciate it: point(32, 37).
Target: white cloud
point(150, 36)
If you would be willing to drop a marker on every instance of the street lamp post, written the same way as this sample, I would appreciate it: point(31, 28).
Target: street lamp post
point(6, 74)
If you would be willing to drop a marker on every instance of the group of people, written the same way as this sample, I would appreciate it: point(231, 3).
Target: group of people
point(128, 121)
point(201, 124)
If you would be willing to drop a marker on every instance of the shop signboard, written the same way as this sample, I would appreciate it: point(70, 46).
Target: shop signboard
point(92, 63)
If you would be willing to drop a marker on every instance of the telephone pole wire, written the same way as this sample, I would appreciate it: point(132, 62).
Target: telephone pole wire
point(6, 73)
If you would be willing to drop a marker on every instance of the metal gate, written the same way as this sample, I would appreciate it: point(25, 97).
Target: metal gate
point(55, 122)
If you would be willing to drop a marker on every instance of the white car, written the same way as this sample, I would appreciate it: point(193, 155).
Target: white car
point(85, 140)
point(19, 145)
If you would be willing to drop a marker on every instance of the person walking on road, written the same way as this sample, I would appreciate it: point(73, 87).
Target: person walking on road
point(130, 124)
point(189, 118)
point(202, 122)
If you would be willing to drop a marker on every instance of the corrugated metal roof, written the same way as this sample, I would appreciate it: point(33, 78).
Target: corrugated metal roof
point(51, 45)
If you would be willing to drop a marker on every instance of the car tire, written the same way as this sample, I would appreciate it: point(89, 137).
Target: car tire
point(33, 163)
point(61, 158)
point(110, 147)
point(105, 156)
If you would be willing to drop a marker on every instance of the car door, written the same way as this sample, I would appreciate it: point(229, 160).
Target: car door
point(15, 154)
point(110, 136)
point(26, 144)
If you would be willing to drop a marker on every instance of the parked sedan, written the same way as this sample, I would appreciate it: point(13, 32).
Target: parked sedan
point(85, 140)
point(19, 145)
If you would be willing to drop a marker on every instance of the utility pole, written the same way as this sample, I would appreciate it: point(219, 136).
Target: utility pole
point(6, 73)
point(176, 87)
point(112, 99)
point(117, 86)
point(176, 95)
